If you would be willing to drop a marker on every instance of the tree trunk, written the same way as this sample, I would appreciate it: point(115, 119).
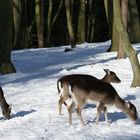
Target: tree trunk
point(106, 9)
point(40, 22)
point(19, 42)
point(134, 22)
point(81, 23)
point(109, 14)
point(124, 10)
point(17, 15)
point(127, 47)
point(116, 40)
point(49, 20)
point(124, 13)
point(89, 31)
point(52, 21)
point(138, 7)
point(69, 23)
point(6, 23)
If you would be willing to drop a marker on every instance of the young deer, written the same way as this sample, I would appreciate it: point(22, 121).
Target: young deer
point(84, 90)
point(62, 85)
point(6, 109)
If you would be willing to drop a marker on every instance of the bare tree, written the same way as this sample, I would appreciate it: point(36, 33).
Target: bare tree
point(81, 23)
point(17, 17)
point(134, 22)
point(51, 20)
point(69, 23)
point(90, 20)
point(124, 38)
point(6, 23)
point(124, 13)
point(109, 14)
point(39, 11)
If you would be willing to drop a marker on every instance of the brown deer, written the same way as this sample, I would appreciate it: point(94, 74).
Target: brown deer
point(6, 108)
point(62, 85)
point(95, 90)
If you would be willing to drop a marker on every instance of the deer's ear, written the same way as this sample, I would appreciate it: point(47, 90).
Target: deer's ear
point(107, 71)
point(127, 104)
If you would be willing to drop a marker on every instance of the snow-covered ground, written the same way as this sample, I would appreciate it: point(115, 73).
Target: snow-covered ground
point(33, 94)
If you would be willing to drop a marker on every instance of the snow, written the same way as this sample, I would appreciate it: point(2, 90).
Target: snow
point(33, 94)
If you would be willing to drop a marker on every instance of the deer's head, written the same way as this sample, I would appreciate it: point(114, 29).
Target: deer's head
point(7, 112)
point(111, 77)
point(131, 111)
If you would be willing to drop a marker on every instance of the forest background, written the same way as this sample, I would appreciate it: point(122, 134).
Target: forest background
point(49, 23)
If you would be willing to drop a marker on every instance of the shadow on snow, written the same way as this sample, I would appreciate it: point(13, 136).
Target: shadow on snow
point(22, 113)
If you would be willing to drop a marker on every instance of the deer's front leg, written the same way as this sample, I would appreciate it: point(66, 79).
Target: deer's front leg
point(78, 111)
point(106, 118)
point(70, 111)
point(100, 108)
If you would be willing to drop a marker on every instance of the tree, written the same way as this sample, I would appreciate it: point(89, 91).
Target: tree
point(20, 30)
point(100, 23)
point(69, 23)
point(124, 14)
point(51, 21)
point(6, 31)
point(134, 22)
point(17, 16)
point(122, 34)
point(81, 23)
point(39, 11)
point(109, 14)
point(90, 19)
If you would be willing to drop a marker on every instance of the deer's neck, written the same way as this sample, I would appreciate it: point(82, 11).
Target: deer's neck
point(105, 79)
point(120, 103)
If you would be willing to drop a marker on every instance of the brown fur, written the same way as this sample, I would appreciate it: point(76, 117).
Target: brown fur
point(101, 92)
point(6, 109)
point(110, 76)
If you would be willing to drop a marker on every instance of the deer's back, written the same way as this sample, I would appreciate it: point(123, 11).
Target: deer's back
point(72, 77)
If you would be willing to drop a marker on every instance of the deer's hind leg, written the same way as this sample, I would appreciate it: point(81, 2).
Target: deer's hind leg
point(60, 102)
point(70, 111)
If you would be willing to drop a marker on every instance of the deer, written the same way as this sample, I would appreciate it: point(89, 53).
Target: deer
point(102, 93)
point(6, 108)
point(62, 85)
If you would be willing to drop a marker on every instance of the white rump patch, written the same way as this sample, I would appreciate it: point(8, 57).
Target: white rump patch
point(61, 89)
point(73, 96)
